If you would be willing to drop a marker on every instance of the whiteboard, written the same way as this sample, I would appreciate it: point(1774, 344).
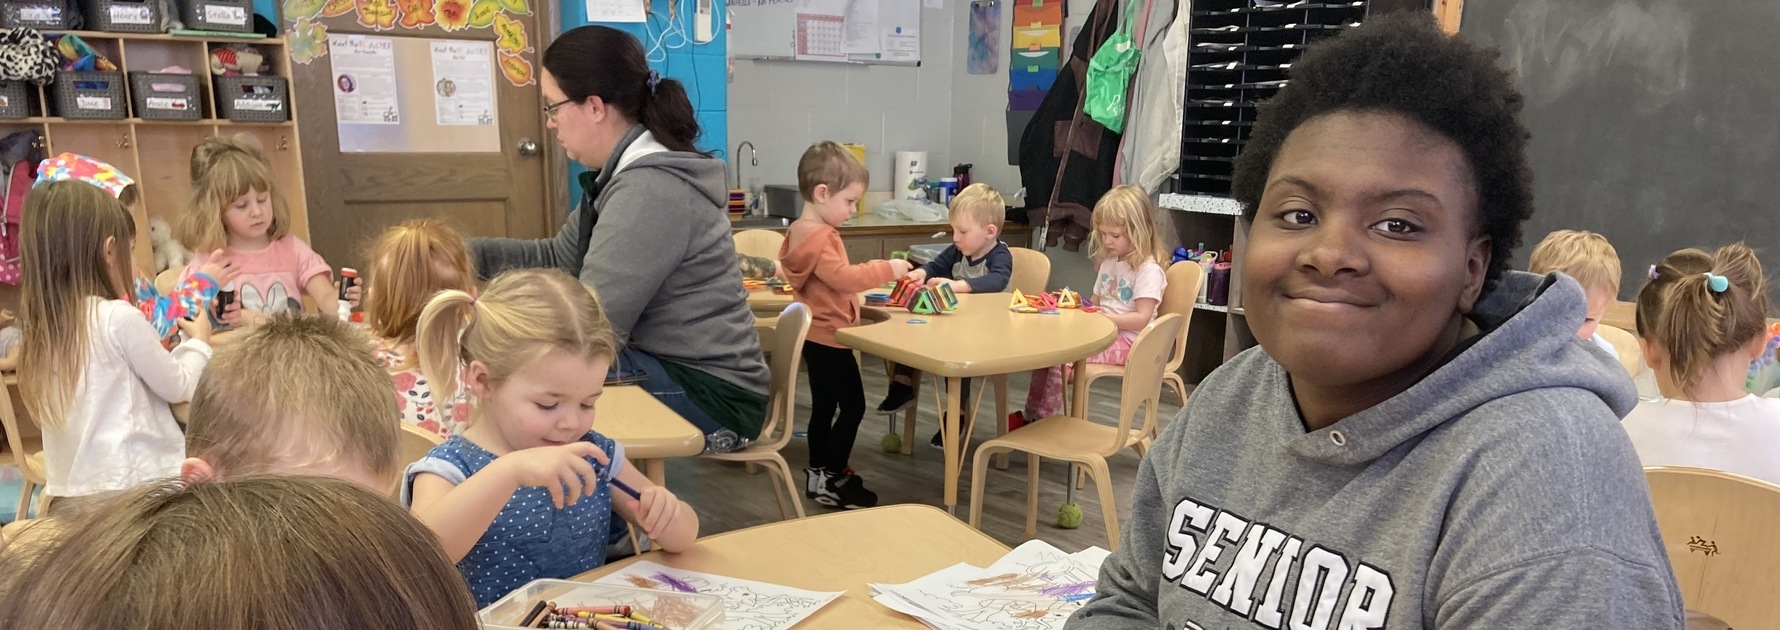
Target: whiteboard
point(767, 29)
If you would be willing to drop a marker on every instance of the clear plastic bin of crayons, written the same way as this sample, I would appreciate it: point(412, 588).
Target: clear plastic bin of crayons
point(668, 609)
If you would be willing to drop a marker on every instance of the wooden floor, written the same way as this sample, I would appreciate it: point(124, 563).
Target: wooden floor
point(727, 497)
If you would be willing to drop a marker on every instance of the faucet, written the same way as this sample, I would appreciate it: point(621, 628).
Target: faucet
point(753, 160)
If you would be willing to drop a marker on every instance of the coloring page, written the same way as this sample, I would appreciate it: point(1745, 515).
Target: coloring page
point(1034, 587)
point(747, 605)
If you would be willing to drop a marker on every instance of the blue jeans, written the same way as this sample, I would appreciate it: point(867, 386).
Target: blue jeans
point(718, 438)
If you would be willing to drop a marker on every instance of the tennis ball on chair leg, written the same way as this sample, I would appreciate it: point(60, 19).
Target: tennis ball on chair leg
point(892, 443)
point(1069, 516)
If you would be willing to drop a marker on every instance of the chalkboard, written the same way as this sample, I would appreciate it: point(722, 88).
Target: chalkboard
point(1654, 122)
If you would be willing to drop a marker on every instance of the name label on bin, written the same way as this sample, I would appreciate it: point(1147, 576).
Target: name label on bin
point(223, 14)
point(175, 104)
point(258, 105)
point(130, 14)
point(40, 14)
point(92, 102)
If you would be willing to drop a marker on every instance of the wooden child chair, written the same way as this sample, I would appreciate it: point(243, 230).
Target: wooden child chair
point(1184, 279)
point(1631, 355)
point(759, 243)
point(1719, 531)
point(1085, 442)
point(27, 450)
point(416, 443)
point(781, 408)
point(1032, 271)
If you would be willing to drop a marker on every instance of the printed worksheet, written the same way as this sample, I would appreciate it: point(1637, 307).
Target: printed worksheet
point(747, 605)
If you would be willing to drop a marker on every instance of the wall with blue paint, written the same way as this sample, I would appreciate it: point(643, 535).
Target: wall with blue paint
point(702, 68)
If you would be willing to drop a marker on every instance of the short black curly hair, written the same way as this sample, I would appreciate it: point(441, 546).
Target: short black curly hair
point(1402, 63)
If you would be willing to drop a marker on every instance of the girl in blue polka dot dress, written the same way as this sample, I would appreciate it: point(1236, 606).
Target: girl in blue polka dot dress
point(525, 491)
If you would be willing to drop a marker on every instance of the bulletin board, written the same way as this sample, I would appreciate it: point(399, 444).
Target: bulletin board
point(430, 97)
point(847, 31)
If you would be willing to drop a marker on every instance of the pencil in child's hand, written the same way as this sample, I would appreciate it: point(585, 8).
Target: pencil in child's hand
point(627, 489)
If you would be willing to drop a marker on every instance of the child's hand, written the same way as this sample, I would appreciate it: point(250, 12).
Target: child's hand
point(7, 317)
point(900, 266)
point(352, 293)
point(655, 512)
point(221, 268)
point(562, 470)
point(235, 317)
point(918, 276)
point(198, 328)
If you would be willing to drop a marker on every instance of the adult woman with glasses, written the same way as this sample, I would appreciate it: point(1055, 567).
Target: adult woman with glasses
point(651, 235)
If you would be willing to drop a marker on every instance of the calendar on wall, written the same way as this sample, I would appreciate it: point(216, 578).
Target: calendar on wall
point(820, 37)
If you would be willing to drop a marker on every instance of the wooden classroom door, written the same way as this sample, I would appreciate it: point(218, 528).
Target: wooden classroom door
point(404, 119)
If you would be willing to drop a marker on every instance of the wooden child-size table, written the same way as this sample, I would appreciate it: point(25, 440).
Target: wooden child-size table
point(981, 338)
point(839, 550)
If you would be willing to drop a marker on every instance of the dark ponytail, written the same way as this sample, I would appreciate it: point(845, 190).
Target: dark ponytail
point(1694, 322)
point(606, 62)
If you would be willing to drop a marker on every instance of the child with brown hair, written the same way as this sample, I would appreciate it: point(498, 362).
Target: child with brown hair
point(298, 553)
point(410, 264)
point(100, 382)
point(976, 262)
point(1128, 285)
point(298, 395)
point(1702, 319)
point(235, 206)
point(1592, 261)
point(528, 489)
point(814, 260)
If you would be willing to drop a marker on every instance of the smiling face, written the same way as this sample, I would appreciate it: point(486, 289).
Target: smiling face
point(1364, 252)
point(549, 402)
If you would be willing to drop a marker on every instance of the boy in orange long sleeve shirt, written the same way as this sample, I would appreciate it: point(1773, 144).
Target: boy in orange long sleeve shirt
point(831, 181)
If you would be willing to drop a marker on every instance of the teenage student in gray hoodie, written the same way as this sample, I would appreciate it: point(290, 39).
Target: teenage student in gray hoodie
point(1420, 441)
point(651, 235)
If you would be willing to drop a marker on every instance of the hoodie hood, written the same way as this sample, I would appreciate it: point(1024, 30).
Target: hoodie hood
point(1528, 343)
point(702, 173)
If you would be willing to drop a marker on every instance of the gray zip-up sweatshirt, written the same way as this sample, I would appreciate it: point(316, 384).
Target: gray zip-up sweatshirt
point(1498, 492)
point(653, 240)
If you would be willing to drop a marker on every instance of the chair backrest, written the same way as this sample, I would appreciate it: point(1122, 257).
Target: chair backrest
point(1144, 366)
point(1184, 278)
point(416, 442)
point(165, 280)
point(1032, 272)
point(786, 354)
point(1719, 531)
point(15, 435)
point(760, 243)
point(1631, 355)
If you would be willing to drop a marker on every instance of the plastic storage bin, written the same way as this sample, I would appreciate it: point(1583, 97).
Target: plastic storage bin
point(37, 14)
point(233, 16)
point(253, 99)
point(122, 16)
point(91, 95)
point(162, 96)
point(681, 611)
point(15, 100)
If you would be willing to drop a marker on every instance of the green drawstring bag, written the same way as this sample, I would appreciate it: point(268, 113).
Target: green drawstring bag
point(1109, 75)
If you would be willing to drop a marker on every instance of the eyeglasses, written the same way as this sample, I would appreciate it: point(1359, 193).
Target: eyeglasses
point(550, 110)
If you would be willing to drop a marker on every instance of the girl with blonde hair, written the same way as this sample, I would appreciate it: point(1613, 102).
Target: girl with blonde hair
point(526, 491)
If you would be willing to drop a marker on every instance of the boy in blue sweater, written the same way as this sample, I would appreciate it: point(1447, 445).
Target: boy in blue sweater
point(977, 262)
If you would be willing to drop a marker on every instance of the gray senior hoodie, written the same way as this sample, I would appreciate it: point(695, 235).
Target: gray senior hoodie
point(653, 238)
point(1498, 492)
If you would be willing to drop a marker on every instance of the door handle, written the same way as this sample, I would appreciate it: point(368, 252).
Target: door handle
point(529, 147)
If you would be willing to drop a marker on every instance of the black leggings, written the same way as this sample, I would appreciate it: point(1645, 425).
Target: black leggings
point(912, 374)
point(834, 384)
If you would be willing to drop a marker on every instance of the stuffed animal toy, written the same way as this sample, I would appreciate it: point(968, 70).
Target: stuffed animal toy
point(168, 252)
point(236, 61)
